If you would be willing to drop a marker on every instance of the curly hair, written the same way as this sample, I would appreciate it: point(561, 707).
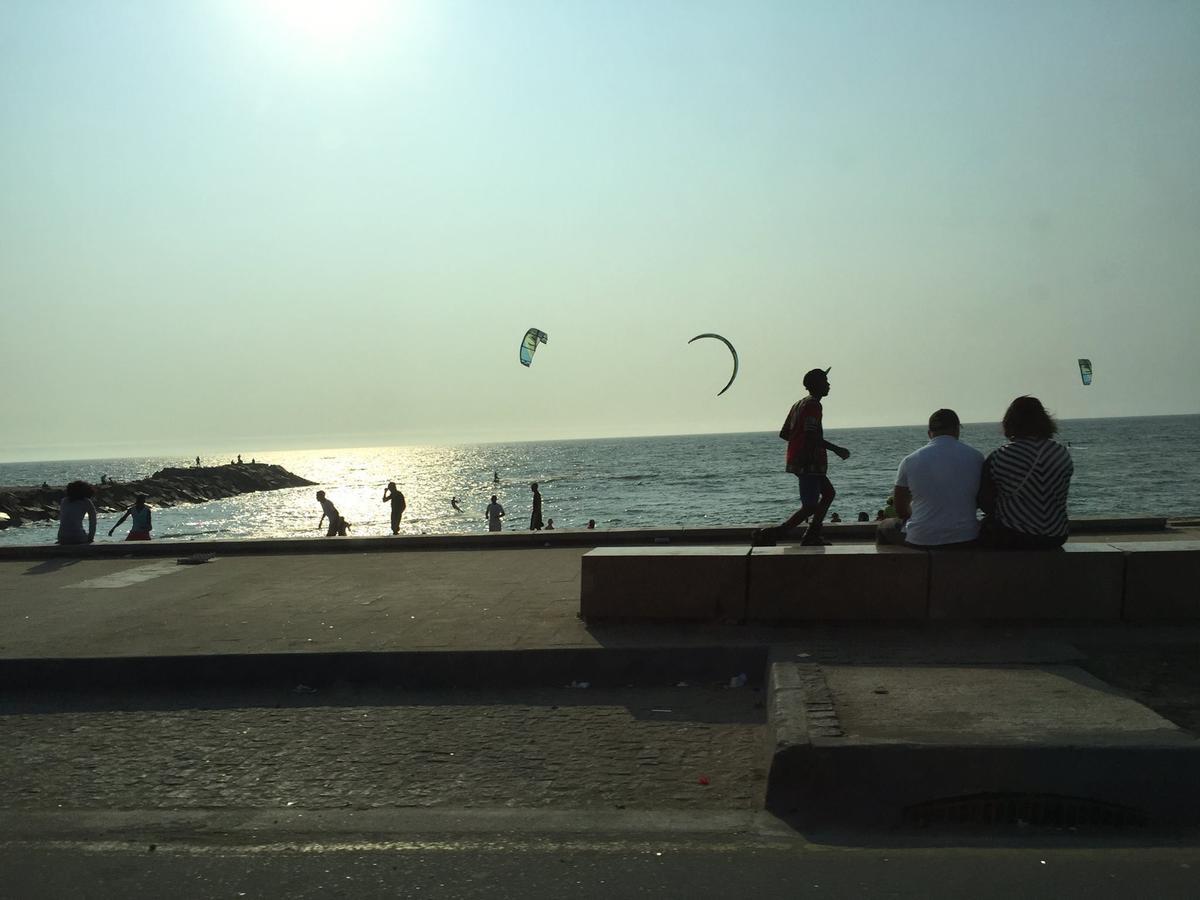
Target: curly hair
point(80, 490)
point(1027, 418)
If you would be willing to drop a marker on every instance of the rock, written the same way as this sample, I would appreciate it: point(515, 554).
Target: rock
point(165, 488)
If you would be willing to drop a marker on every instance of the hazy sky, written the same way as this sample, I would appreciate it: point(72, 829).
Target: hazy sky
point(230, 225)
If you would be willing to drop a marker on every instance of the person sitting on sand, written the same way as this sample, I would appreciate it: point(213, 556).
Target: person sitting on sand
point(1024, 487)
point(337, 525)
point(74, 506)
point(394, 494)
point(494, 513)
point(936, 487)
point(139, 527)
point(549, 524)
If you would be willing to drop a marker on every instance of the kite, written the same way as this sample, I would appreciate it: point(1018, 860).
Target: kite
point(533, 337)
point(1085, 371)
point(731, 350)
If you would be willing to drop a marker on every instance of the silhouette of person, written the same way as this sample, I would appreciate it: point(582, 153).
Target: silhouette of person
point(454, 503)
point(337, 525)
point(864, 517)
point(835, 518)
point(807, 460)
point(391, 492)
point(535, 517)
point(549, 524)
point(74, 506)
point(495, 477)
point(494, 513)
point(239, 462)
point(197, 462)
point(591, 523)
point(139, 528)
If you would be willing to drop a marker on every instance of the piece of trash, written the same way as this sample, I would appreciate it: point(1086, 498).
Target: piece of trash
point(303, 689)
point(681, 684)
point(662, 709)
point(738, 681)
point(703, 779)
point(195, 559)
point(580, 684)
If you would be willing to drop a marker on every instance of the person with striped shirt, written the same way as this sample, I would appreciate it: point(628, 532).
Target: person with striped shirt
point(1024, 487)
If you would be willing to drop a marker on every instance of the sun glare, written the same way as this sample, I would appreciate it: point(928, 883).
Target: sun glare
point(328, 25)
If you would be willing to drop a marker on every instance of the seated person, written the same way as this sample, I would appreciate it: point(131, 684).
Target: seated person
point(936, 490)
point(1025, 482)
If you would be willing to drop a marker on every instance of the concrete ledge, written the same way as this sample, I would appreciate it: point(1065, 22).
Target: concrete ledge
point(1162, 580)
point(802, 584)
point(1080, 581)
point(660, 582)
point(879, 746)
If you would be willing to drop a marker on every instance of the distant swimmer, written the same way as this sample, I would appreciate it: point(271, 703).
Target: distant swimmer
point(495, 477)
point(494, 513)
point(396, 496)
point(337, 525)
point(141, 520)
point(454, 503)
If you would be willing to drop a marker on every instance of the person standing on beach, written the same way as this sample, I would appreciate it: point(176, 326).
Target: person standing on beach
point(74, 506)
point(808, 461)
point(494, 513)
point(535, 517)
point(337, 525)
point(140, 526)
point(391, 492)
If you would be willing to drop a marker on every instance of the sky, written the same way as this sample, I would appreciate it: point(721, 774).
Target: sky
point(267, 223)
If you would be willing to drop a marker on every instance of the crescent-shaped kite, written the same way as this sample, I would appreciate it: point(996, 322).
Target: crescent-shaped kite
point(731, 350)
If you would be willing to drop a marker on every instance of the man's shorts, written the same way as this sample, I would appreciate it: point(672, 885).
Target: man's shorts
point(137, 536)
point(813, 487)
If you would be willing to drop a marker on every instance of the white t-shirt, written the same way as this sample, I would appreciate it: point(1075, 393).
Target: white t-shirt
point(943, 477)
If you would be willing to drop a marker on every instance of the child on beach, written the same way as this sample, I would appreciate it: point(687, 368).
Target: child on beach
point(337, 525)
point(140, 526)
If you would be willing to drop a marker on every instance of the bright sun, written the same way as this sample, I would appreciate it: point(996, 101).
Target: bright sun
point(329, 25)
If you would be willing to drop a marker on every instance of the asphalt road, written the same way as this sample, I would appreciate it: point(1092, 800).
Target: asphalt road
point(653, 866)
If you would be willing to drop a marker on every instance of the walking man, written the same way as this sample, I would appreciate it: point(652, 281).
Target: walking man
point(808, 461)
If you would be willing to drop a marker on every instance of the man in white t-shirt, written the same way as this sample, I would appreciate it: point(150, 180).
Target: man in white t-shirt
point(936, 488)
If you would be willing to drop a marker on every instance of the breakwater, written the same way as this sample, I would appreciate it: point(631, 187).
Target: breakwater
point(166, 487)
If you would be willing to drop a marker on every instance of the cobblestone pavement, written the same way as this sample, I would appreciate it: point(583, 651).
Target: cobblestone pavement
point(557, 748)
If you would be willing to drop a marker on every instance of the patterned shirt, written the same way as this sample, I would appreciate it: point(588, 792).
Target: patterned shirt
point(1032, 478)
point(806, 442)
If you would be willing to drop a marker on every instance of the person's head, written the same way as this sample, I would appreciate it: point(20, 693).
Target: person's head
point(139, 500)
point(80, 490)
point(320, 495)
point(493, 498)
point(944, 422)
point(864, 517)
point(391, 485)
point(1027, 418)
point(835, 518)
point(817, 382)
point(591, 523)
point(880, 514)
point(533, 486)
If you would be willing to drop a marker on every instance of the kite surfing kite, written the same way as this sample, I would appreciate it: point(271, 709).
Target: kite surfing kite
point(533, 337)
point(1085, 371)
point(731, 350)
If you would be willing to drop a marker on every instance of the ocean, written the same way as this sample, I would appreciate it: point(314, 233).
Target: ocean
point(1123, 467)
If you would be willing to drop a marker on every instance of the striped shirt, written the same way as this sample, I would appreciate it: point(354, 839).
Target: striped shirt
point(1032, 478)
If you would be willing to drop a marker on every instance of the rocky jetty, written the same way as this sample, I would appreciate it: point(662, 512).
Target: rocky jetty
point(166, 487)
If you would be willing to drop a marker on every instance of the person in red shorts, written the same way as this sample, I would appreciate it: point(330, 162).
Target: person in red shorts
point(141, 520)
point(807, 459)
